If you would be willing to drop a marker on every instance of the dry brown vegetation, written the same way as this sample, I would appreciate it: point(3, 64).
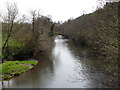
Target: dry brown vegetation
point(98, 32)
point(23, 39)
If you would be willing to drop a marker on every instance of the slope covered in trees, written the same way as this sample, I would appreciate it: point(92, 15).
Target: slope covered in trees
point(98, 31)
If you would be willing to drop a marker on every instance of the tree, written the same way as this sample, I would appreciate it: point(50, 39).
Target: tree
point(0, 38)
point(33, 14)
point(38, 23)
point(10, 18)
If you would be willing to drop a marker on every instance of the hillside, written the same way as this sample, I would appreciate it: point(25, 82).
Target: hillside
point(98, 31)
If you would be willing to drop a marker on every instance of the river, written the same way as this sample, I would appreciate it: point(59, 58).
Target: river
point(69, 67)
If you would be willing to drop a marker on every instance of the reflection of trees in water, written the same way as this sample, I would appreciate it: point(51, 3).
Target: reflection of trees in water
point(2, 84)
point(78, 51)
point(34, 77)
point(45, 71)
point(95, 68)
point(5, 84)
point(89, 61)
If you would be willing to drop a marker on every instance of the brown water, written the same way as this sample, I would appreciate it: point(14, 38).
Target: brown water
point(69, 67)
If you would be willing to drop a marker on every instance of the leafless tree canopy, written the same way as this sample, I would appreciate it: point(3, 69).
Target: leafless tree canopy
point(10, 18)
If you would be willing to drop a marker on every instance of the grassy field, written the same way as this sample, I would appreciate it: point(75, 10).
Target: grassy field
point(10, 69)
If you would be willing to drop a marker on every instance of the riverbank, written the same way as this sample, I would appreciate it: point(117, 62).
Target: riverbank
point(10, 69)
point(99, 34)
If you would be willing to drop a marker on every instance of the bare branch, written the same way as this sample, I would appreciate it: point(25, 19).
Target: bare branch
point(11, 16)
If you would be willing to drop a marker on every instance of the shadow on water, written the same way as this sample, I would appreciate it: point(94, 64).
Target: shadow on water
point(69, 67)
point(96, 69)
point(33, 78)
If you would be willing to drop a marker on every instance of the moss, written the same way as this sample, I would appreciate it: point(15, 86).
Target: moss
point(14, 68)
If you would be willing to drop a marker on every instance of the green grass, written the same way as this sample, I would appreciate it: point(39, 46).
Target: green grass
point(14, 68)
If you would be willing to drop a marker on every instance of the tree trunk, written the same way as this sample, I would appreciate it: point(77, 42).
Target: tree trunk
point(6, 41)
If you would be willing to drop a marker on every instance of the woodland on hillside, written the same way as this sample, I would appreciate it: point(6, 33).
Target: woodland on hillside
point(98, 32)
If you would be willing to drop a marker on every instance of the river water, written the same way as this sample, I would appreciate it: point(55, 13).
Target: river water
point(69, 67)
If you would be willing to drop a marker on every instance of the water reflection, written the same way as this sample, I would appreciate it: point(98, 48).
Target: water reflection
point(64, 66)
point(67, 69)
point(34, 78)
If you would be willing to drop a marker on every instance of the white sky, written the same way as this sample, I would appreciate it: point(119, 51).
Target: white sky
point(60, 10)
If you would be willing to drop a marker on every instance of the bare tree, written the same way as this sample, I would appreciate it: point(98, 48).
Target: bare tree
point(36, 23)
point(10, 18)
point(35, 15)
point(0, 38)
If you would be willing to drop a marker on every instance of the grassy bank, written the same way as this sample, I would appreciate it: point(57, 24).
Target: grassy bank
point(11, 69)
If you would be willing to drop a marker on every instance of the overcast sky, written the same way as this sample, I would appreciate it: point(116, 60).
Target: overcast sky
point(60, 10)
